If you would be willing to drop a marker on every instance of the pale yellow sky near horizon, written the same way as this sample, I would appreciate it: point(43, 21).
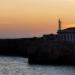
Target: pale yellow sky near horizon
point(27, 18)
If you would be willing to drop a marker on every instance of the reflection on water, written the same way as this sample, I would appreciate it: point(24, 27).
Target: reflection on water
point(19, 66)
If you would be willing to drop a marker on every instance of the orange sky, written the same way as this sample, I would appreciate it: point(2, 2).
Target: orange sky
point(27, 18)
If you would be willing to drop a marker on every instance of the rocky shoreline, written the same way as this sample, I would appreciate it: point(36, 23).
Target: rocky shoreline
point(39, 50)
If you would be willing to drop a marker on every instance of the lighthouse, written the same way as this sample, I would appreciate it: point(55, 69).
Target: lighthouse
point(59, 26)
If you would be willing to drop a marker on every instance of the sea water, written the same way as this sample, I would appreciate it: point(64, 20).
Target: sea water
point(20, 66)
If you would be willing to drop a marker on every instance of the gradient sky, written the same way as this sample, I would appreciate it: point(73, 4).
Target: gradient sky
point(27, 18)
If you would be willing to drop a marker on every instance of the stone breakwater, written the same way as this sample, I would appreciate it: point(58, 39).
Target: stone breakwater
point(39, 50)
point(53, 53)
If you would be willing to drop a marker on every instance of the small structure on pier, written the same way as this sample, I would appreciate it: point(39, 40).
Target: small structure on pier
point(67, 34)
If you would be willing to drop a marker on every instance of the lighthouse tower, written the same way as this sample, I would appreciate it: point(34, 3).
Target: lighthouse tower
point(59, 26)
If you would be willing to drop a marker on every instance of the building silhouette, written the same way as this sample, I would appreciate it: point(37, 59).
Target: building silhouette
point(67, 34)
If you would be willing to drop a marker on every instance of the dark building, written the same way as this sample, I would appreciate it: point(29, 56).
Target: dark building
point(67, 34)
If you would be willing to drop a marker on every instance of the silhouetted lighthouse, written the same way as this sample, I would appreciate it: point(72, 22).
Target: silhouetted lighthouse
point(59, 24)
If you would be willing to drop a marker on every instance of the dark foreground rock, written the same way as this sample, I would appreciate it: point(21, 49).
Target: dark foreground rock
point(53, 53)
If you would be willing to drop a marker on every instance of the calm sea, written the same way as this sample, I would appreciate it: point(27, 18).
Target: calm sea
point(20, 66)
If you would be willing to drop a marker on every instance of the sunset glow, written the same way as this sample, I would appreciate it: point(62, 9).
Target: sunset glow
point(28, 18)
point(69, 25)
